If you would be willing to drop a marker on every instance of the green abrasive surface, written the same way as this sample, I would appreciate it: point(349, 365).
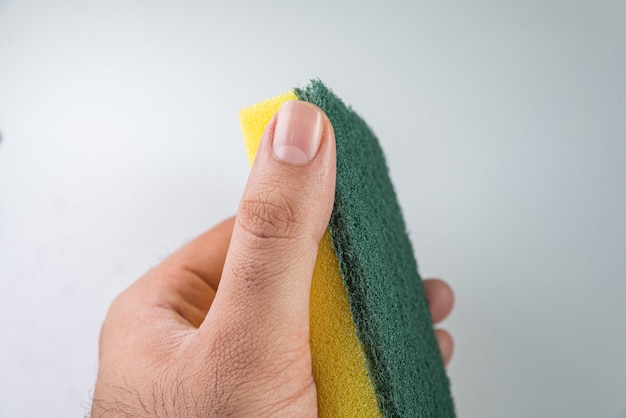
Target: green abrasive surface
point(376, 261)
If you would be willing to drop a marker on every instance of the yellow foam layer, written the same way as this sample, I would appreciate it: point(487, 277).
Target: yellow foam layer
point(254, 119)
point(344, 388)
point(343, 385)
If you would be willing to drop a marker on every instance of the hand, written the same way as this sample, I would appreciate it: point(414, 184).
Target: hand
point(172, 345)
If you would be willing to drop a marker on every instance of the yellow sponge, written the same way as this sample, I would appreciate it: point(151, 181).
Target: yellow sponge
point(254, 119)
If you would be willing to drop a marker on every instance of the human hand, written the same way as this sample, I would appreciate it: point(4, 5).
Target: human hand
point(172, 345)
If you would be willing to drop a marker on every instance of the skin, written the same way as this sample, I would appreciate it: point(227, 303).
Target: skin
point(221, 327)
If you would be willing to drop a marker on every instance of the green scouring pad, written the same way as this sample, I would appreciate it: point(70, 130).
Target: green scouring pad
point(373, 347)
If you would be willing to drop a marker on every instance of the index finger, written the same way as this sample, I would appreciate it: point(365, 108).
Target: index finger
point(204, 255)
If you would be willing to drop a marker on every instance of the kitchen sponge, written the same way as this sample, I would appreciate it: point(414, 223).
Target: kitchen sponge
point(373, 347)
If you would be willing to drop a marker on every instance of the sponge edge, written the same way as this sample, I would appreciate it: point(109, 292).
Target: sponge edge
point(386, 295)
point(344, 385)
point(254, 119)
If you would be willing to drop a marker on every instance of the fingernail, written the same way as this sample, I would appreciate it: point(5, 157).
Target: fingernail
point(298, 132)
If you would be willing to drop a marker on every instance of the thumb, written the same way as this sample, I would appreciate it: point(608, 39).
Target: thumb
point(265, 286)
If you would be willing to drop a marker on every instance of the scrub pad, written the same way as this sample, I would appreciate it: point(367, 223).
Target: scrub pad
point(373, 347)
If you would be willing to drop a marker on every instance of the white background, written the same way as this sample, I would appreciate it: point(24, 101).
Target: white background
point(504, 125)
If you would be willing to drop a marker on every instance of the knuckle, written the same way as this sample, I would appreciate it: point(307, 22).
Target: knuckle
point(268, 214)
point(257, 274)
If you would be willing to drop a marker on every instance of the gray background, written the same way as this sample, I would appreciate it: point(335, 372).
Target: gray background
point(504, 125)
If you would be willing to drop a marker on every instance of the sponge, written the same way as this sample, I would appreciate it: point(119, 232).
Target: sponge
point(373, 347)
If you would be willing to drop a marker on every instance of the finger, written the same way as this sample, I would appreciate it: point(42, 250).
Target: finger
point(446, 345)
point(185, 283)
point(204, 256)
point(284, 211)
point(440, 299)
